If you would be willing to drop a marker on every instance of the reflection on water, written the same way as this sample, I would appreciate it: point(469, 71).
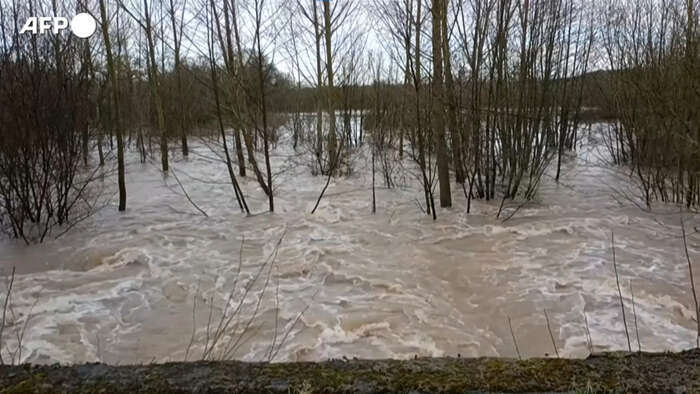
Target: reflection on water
point(120, 287)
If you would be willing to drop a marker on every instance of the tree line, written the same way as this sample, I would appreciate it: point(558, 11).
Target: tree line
point(488, 95)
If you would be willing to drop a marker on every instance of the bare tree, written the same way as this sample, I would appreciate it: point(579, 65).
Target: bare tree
point(211, 21)
point(177, 25)
point(111, 70)
point(146, 23)
point(438, 12)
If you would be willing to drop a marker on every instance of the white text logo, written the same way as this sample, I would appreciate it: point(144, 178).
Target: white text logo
point(82, 25)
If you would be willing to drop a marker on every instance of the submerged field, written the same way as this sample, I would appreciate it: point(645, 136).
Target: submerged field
point(131, 287)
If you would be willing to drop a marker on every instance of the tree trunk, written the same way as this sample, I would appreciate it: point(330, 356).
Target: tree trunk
point(263, 106)
point(155, 90)
point(332, 142)
point(455, 132)
point(115, 97)
point(319, 94)
point(177, 41)
point(438, 113)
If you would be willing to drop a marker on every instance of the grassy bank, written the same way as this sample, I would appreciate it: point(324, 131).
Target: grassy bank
point(608, 372)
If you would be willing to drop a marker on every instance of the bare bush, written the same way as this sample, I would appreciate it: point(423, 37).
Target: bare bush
point(45, 110)
point(13, 325)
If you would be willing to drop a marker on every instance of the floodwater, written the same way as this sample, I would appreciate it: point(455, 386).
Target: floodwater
point(147, 284)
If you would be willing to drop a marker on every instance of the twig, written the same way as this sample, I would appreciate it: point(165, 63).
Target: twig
point(692, 284)
point(550, 333)
point(515, 211)
point(500, 208)
point(206, 342)
point(185, 192)
point(277, 315)
point(231, 347)
point(194, 322)
point(420, 206)
point(512, 334)
point(20, 335)
point(330, 175)
point(619, 292)
point(634, 312)
point(374, 195)
point(78, 220)
point(99, 347)
point(286, 334)
point(588, 333)
point(225, 322)
point(4, 311)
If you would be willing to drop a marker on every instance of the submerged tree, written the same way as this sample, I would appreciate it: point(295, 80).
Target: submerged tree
point(654, 92)
point(111, 70)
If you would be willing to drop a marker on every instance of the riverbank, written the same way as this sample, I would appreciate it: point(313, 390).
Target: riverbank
point(606, 372)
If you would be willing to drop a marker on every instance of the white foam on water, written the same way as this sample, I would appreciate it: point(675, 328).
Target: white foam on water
point(121, 287)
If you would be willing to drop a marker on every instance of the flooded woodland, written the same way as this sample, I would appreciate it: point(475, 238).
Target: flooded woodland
point(262, 180)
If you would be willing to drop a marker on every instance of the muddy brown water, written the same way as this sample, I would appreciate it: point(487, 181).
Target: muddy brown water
point(120, 288)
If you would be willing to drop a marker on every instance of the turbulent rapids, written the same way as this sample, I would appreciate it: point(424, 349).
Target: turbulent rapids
point(148, 284)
